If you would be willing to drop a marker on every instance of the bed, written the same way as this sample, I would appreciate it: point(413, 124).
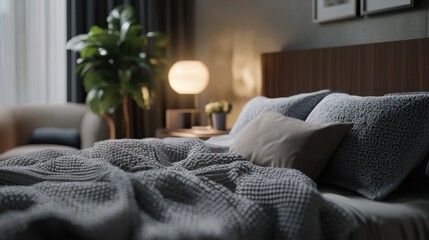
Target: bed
point(283, 172)
point(365, 70)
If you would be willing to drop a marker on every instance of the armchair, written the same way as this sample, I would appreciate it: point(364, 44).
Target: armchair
point(18, 124)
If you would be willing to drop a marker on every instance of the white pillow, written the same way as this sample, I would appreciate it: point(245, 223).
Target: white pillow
point(277, 141)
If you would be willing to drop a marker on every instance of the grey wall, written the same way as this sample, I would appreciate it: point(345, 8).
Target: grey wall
point(230, 35)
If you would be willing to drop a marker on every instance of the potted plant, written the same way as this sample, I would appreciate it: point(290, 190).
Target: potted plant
point(119, 63)
point(217, 111)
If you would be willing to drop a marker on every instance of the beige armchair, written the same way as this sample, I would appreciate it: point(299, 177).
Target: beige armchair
point(18, 123)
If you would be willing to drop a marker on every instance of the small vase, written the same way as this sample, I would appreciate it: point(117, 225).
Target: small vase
point(219, 120)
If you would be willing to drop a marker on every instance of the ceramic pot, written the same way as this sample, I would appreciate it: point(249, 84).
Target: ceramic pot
point(219, 120)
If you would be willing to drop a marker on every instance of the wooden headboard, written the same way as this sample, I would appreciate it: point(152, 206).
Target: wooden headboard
point(370, 69)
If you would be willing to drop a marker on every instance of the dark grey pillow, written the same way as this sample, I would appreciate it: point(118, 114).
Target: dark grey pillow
point(296, 106)
point(274, 140)
point(60, 136)
point(389, 138)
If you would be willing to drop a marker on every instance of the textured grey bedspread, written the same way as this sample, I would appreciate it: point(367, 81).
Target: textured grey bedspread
point(159, 189)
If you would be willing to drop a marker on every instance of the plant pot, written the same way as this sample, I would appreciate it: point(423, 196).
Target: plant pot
point(219, 120)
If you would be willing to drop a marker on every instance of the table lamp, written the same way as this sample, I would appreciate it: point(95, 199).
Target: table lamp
point(187, 77)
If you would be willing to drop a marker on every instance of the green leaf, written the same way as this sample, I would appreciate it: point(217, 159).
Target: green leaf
point(103, 100)
point(114, 19)
point(129, 87)
point(119, 15)
point(130, 33)
point(125, 80)
point(77, 42)
point(134, 31)
point(93, 101)
point(143, 97)
point(86, 65)
point(138, 44)
point(86, 68)
point(106, 41)
point(110, 99)
point(124, 30)
point(81, 66)
point(137, 96)
point(115, 25)
point(124, 75)
point(95, 30)
point(88, 52)
point(127, 14)
point(94, 80)
point(160, 39)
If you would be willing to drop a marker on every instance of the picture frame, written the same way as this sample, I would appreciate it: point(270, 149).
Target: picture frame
point(377, 6)
point(331, 10)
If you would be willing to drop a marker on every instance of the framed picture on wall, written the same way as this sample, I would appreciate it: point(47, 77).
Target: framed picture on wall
point(330, 10)
point(376, 6)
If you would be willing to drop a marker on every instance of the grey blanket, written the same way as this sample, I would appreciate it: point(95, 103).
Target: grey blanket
point(159, 189)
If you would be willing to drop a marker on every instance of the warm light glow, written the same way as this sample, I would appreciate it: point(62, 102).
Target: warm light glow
point(188, 77)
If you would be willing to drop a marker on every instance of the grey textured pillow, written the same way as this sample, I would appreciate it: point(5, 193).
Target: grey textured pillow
point(412, 93)
point(296, 106)
point(277, 141)
point(389, 138)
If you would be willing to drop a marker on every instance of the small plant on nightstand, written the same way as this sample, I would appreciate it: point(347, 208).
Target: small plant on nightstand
point(217, 111)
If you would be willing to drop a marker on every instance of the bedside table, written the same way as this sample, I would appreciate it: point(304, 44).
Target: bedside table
point(187, 132)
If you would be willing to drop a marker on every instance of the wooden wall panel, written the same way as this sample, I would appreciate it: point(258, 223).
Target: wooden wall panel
point(370, 69)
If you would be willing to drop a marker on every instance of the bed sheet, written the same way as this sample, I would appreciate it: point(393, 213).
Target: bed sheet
point(400, 216)
point(220, 144)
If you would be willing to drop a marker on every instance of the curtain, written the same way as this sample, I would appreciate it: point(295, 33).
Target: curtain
point(173, 17)
point(33, 56)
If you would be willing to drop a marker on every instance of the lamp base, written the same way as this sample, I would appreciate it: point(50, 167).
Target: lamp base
point(182, 118)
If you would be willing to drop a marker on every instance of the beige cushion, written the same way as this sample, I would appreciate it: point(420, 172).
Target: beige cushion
point(29, 117)
point(278, 141)
point(24, 149)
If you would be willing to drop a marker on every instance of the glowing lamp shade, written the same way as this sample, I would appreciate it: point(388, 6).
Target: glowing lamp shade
point(188, 77)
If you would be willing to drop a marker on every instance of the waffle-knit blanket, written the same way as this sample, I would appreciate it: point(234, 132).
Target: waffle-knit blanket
point(159, 189)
